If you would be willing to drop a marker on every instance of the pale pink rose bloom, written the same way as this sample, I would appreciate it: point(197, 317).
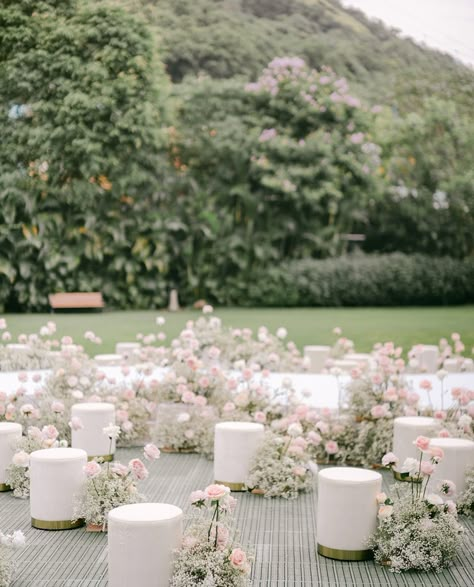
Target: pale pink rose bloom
point(50, 432)
point(23, 377)
point(299, 471)
point(314, 438)
point(427, 468)
point(381, 498)
point(231, 384)
point(188, 397)
point(377, 379)
point(138, 469)
point(57, 407)
point(121, 415)
point(2, 409)
point(390, 395)
point(434, 499)
point(302, 410)
point(127, 426)
point(36, 377)
point(409, 411)
point(451, 506)
point(204, 382)
point(422, 442)
point(229, 407)
point(379, 411)
point(426, 384)
point(356, 373)
point(331, 447)
point(443, 434)
point(129, 394)
point(3, 396)
point(413, 398)
point(295, 450)
point(390, 459)
point(66, 340)
point(260, 417)
point(189, 542)
point(25, 409)
point(119, 469)
point(323, 427)
point(197, 496)
point(238, 559)
point(455, 336)
point(447, 487)
point(456, 392)
point(151, 452)
point(76, 423)
point(189, 434)
point(92, 469)
point(215, 492)
point(21, 459)
point(200, 400)
point(436, 452)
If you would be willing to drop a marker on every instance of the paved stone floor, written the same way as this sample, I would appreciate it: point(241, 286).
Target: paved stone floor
point(281, 533)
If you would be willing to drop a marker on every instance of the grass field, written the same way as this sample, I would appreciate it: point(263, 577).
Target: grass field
point(365, 326)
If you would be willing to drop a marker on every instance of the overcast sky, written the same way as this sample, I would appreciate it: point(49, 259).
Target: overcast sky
point(447, 25)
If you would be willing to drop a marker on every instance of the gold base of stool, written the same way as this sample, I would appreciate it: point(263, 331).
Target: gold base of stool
point(232, 486)
point(345, 555)
point(5, 487)
point(104, 458)
point(56, 524)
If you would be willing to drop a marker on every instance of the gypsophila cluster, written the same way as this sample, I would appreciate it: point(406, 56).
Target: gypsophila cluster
point(9, 543)
point(466, 499)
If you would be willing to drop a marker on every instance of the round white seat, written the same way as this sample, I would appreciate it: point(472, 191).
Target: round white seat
point(10, 434)
point(111, 360)
point(235, 445)
point(141, 540)
point(95, 416)
point(317, 355)
point(56, 477)
point(347, 512)
point(453, 365)
point(345, 365)
point(458, 458)
point(406, 429)
point(428, 358)
point(127, 349)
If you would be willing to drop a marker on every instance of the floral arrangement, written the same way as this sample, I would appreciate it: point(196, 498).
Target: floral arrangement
point(8, 543)
point(281, 467)
point(342, 346)
point(208, 555)
point(17, 474)
point(417, 530)
point(111, 485)
point(465, 502)
point(457, 420)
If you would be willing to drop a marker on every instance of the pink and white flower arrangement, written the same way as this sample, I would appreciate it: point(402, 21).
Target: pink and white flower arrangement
point(208, 553)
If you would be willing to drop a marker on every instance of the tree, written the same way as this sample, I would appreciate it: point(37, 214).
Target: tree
point(83, 94)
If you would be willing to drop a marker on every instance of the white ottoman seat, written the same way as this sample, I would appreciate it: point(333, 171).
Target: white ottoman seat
point(56, 478)
point(406, 430)
point(127, 349)
point(347, 512)
point(235, 445)
point(10, 434)
point(458, 459)
point(111, 360)
point(141, 541)
point(94, 416)
point(428, 358)
point(317, 355)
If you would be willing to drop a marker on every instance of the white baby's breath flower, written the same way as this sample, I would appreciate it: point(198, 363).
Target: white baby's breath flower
point(112, 431)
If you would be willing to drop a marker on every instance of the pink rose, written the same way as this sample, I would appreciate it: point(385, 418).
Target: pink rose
point(436, 452)
point(444, 433)
point(151, 452)
point(260, 417)
point(426, 384)
point(379, 411)
point(422, 442)
point(57, 407)
point(427, 468)
point(138, 469)
point(390, 459)
point(200, 400)
point(92, 469)
point(76, 423)
point(238, 559)
point(216, 492)
point(197, 496)
point(299, 471)
point(121, 415)
point(50, 432)
point(314, 438)
point(331, 447)
point(119, 469)
point(188, 397)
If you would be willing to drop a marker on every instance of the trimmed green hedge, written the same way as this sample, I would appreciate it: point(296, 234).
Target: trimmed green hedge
point(364, 280)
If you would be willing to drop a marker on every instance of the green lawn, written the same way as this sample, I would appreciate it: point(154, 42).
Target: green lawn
point(404, 326)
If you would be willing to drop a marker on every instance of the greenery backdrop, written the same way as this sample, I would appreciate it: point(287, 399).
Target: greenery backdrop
point(150, 145)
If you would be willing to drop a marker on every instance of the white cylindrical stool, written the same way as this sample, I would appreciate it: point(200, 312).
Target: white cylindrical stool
point(347, 512)
point(108, 360)
point(428, 358)
point(235, 445)
point(94, 416)
point(127, 349)
point(317, 355)
point(453, 365)
point(56, 477)
point(458, 459)
point(10, 434)
point(406, 430)
point(141, 540)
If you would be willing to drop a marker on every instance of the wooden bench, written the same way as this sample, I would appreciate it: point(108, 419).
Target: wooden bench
point(76, 301)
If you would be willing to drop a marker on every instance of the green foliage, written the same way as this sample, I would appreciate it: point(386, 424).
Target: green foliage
point(82, 91)
point(360, 280)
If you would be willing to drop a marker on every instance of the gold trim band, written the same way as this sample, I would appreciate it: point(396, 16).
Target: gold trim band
point(56, 524)
point(406, 477)
point(345, 555)
point(5, 487)
point(104, 458)
point(232, 486)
